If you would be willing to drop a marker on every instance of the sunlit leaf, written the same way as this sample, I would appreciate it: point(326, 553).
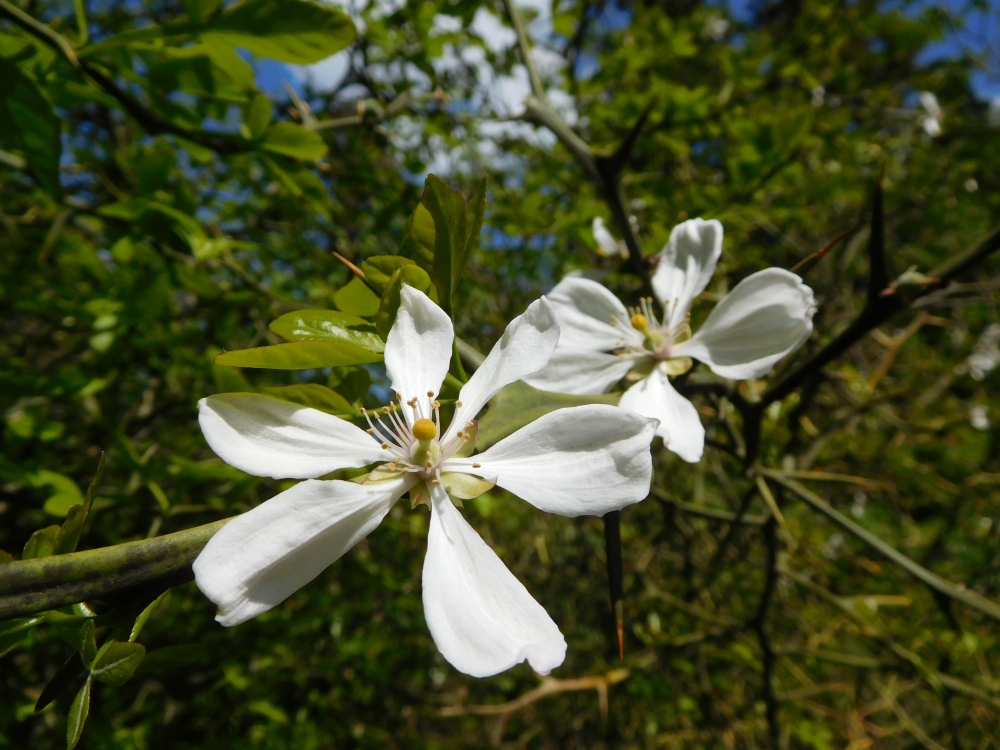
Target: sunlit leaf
point(299, 355)
point(356, 298)
point(327, 325)
point(295, 31)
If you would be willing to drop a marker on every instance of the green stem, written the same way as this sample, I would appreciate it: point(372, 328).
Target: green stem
point(44, 583)
point(964, 595)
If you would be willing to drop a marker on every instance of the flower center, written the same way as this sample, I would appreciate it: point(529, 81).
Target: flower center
point(415, 446)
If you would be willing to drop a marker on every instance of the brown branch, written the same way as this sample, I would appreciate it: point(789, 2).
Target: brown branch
point(549, 686)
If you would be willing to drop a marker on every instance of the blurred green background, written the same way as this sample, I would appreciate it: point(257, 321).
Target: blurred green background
point(146, 230)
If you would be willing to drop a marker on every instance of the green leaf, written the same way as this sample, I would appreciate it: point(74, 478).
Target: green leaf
point(294, 141)
point(475, 211)
point(200, 10)
point(116, 662)
point(69, 535)
point(295, 31)
point(29, 124)
point(66, 492)
point(316, 397)
point(413, 275)
point(327, 325)
point(350, 382)
point(519, 404)
point(447, 209)
point(78, 711)
point(379, 269)
point(12, 632)
point(356, 298)
point(69, 677)
point(259, 116)
point(41, 544)
point(88, 644)
point(172, 657)
point(143, 618)
point(299, 355)
point(418, 238)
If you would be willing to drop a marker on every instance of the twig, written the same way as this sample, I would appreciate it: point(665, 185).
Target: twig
point(706, 512)
point(961, 594)
point(549, 686)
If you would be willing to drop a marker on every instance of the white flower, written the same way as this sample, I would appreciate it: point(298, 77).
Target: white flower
point(607, 245)
point(583, 460)
point(932, 121)
point(766, 316)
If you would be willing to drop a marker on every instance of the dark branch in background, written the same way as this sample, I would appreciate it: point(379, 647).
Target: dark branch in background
point(110, 573)
point(759, 624)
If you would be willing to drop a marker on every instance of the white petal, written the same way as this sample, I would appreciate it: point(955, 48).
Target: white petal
point(680, 425)
point(575, 370)
point(581, 460)
point(686, 266)
point(481, 617)
point(585, 311)
point(418, 348)
point(524, 348)
point(603, 237)
point(766, 316)
point(262, 557)
point(268, 437)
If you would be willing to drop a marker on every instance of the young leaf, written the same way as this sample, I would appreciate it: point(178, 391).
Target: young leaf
point(294, 31)
point(413, 275)
point(171, 657)
point(116, 662)
point(418, 238)
point(78, 711)
point(294, 141)
point(356, 298)
point(316, 397)
point(519, 404)
point(41, 544)
point(69, 535)
point(143, 618)
point(380, 268)
point(327, 325)
point(88, 644)
point(299, 355)
point(447, 209)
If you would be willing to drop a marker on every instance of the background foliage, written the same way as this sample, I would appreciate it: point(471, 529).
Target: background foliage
point(163, 198)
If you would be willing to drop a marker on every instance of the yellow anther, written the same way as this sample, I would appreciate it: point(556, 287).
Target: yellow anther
point(363, 411)
point(436, 405)
point(639, 322)
point(430, 394)
point(385, 446)
point(424, 429)
point(476, 466)
point(458, 404)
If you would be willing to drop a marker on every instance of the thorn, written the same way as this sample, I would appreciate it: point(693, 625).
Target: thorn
point(806, 264)
point(354, 269)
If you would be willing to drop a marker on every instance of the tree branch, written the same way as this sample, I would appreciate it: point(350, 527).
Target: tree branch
point(120, 571)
